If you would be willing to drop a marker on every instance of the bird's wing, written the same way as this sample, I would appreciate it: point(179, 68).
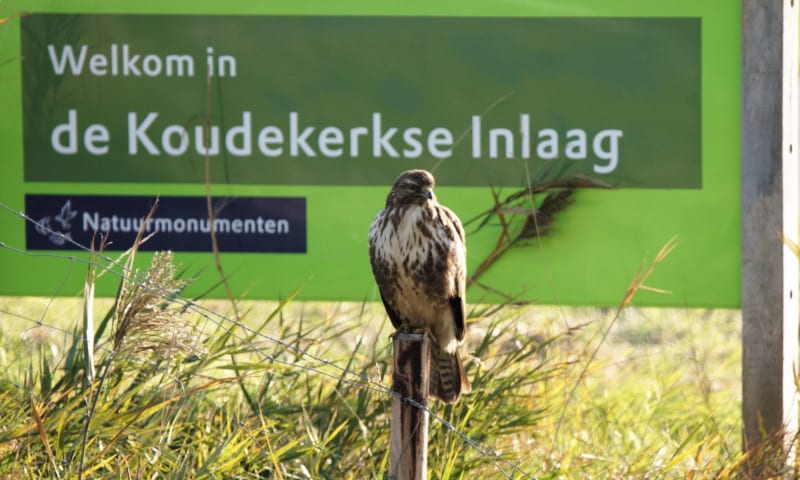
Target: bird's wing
point(457, 301)
point(459, 308)
point(378, 269)
point(393, 316)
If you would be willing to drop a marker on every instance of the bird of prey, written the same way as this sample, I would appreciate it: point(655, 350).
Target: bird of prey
point(418, 258)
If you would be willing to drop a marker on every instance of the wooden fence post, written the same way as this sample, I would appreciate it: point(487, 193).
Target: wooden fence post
point(769, 205)
point(408, 448)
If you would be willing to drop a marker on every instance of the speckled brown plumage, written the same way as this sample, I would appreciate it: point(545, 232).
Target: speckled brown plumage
point(418, 258)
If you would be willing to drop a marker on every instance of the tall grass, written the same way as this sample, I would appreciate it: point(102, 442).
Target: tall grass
point(300, 390)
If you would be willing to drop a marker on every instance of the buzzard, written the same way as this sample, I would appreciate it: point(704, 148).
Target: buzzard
point(418, 258)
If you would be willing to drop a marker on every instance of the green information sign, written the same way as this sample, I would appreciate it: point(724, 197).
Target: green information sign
point(306, 113)
point(304, 96)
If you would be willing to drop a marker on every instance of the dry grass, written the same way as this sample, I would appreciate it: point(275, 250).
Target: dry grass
point(295, 392)
point(299, 390)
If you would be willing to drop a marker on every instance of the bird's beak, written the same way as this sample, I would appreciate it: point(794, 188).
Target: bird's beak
point(429, 194)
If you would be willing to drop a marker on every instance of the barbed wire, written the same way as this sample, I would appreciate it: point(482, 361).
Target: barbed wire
point(118, 268)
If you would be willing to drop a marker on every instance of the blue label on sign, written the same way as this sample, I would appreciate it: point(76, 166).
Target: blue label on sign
point(241, 224)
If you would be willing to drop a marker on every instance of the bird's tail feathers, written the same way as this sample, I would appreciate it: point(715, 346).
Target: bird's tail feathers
point(447, 378)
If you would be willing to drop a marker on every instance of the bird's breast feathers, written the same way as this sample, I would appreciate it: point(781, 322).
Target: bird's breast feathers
point(421, 248)
point(415, 234)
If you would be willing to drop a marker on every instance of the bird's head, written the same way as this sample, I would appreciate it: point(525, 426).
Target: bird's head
point(412, 187)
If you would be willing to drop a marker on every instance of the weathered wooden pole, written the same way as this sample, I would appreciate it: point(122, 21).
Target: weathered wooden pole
point(408, 447)
point(769, 205)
